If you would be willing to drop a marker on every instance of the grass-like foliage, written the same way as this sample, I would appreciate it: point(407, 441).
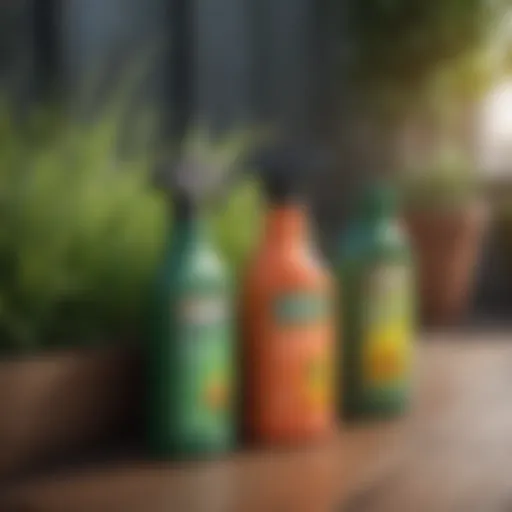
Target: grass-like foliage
point(404, 54)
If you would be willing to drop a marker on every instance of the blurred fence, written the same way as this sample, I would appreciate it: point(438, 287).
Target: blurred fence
point(228, 60)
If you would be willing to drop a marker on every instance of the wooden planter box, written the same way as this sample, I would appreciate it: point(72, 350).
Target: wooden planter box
point(60, 403)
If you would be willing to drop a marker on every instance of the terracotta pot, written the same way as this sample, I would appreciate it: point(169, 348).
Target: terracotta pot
point(62, 402)
point(447, 248)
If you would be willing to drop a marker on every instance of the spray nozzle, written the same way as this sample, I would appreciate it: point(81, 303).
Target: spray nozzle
point(204, 169)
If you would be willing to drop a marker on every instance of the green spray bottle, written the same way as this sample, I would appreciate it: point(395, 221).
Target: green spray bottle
point(191, 351)
point(377, 297)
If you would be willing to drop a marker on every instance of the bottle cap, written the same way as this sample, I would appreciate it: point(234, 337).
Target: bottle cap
point(283, 169)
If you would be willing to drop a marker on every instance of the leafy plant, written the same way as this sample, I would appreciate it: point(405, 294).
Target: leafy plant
point(80, 231)
point(82, 227)
point(445, 180)
point(236, 226)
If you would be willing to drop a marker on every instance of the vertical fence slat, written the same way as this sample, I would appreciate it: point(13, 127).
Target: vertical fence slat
point(222, 61)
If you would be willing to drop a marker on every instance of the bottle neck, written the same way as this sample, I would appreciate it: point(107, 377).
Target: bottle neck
point(187, 227)
point(286, 223)
point(376, 217)
point(377, 205)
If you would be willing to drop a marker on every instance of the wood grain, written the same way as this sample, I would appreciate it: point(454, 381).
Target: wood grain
point(452, 453)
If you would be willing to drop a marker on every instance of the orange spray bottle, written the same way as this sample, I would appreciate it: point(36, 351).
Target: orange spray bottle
point(287, 319)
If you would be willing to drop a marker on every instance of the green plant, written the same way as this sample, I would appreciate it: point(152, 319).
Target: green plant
point(236, 225)
point(400, 45)
point(82, 227)
point(445, 180)
point(80, 231)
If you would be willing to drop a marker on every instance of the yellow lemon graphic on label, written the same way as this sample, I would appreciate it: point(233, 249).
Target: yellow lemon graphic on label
point(318, 386)
point(386, 358)
point(217, 393)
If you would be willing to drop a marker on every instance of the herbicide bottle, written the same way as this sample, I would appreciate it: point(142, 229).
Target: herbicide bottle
point(287, 319)
point(191, 352)
point(377, 323)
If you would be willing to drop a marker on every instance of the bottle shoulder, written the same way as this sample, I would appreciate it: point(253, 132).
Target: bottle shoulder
point(362, 240)
point(193, 266)
point(271, 269)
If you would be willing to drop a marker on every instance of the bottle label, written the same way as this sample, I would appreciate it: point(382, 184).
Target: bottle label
point(300, 308)
point(203, 311)
point(207, 368)
point(302, 360)
point(387, 328)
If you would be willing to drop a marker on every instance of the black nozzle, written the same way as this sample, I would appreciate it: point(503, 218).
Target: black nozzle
point(284, 168)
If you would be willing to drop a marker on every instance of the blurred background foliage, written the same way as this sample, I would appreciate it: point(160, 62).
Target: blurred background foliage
point(406, 51)
point(418, 72)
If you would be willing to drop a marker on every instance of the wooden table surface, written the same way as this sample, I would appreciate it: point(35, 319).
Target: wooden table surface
point(452, 453)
